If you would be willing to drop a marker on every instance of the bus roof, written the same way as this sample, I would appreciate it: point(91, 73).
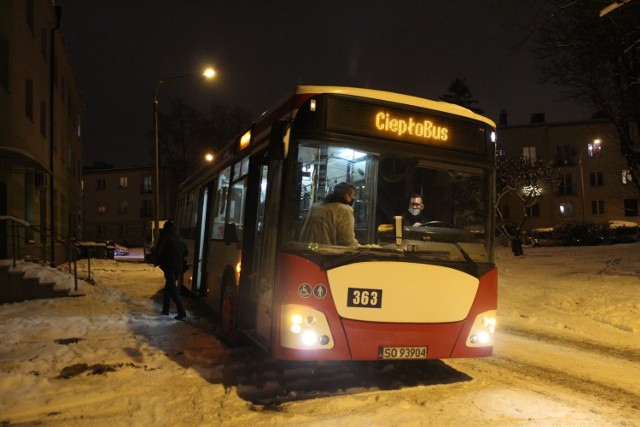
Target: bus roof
point(286, 107)
point(390, 97)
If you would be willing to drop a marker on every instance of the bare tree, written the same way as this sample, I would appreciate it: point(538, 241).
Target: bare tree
point(527, 180)
point(591, 48)
point(221, 124)
point(187, 135)
point(178, 131)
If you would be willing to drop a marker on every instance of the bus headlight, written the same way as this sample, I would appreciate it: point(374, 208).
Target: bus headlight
point(304, 328)
point(481, 333)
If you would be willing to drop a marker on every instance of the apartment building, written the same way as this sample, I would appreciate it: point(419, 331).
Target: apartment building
point(40, 133)
point(595, 186)
point(119, 202)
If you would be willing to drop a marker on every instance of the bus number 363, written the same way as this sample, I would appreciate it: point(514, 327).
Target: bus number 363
point(368, 298)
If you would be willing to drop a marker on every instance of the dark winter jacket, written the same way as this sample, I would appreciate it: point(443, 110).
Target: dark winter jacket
point(170, 251)
point(409, 219)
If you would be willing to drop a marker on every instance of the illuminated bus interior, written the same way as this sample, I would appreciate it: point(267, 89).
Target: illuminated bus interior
point(454, 201)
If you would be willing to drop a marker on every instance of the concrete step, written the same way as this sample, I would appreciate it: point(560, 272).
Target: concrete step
point(14, 287)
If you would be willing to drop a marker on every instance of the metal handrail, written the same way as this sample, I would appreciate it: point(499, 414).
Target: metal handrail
point(17, 224)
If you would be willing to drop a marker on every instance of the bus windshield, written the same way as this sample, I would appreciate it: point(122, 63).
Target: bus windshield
point(456, 202)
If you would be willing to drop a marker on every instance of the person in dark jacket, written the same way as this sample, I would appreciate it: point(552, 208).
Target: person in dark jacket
point(169, 255)
point(414, 216)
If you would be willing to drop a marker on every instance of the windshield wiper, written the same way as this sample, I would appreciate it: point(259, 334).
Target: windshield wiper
point(471, 262)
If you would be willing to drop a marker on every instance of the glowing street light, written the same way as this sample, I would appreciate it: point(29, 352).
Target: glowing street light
point(208, 157)
point(208, 74)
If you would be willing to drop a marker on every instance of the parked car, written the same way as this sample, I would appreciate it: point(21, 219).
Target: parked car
point(622, 232)
point(542, 237)
point(120, 250)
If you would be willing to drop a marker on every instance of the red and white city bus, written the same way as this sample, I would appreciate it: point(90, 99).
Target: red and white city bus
point(406, 292)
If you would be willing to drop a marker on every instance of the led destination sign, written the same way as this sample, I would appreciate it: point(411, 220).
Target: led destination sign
point(387, 122)
point(367, 119)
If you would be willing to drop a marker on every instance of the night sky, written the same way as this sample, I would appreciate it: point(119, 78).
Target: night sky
point(120, 49)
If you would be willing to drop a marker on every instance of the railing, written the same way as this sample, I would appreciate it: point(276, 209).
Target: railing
point(20, 228)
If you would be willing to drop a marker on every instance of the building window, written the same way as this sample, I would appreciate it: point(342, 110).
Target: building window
point(124, 230)
point(100, 232)
point(124, 206)
point(29, 14)
point(147, 184)
point(44, 43)
point(124, 182)
point(4, 62)
point(630, 207)
point(626, 177)
point(597, 207)
point(566, 184)
point(533, 211)
point(100, 184)
point(55, 70)
point(43, 118)
point(69, 152)
point(28, 98)
point(102, 208)
point(594, 149)
point(566, 209)
point(147, 209)
point(596, 179)
point(529, 154)
point(563, 154)
point(63, 89)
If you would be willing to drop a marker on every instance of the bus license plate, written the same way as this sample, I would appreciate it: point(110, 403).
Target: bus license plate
point(402, 353)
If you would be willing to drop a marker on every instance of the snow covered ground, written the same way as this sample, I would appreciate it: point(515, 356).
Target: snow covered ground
point(567, 353)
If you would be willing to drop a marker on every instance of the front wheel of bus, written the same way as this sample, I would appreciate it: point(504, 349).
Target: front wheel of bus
point(229, 313)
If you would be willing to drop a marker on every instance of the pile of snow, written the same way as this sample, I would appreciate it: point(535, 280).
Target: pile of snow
point(44, 274)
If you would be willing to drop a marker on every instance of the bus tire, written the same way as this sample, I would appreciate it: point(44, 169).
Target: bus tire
point(229, 313)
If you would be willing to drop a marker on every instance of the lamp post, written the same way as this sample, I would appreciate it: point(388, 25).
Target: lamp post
point(208, 73)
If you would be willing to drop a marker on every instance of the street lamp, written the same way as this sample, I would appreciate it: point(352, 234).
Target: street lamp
point(208, 74)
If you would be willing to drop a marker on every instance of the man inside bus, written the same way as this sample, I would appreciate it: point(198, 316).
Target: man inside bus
point(331, 221)
point(414, 216)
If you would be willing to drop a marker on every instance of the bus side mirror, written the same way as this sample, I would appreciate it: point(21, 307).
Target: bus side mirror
point(279, 140)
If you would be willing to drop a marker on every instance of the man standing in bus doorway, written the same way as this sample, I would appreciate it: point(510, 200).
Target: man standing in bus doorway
point(169, 255)
point(331, 222)
point(414, 216)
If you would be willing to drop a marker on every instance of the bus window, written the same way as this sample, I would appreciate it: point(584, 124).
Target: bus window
point(320, 168)
point(219, 209)
point(236, 207)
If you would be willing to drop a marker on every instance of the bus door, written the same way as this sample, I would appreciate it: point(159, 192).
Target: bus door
point(263, 264)
point(260, 251)
point(200, 244)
